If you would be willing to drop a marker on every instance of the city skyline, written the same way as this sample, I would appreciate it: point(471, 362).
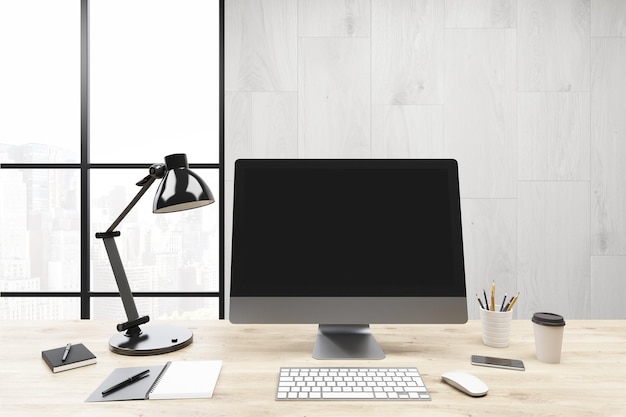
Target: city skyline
point(40, 242)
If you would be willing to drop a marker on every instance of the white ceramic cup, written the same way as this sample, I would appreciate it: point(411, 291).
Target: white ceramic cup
point(548, 328)
point(496, 327)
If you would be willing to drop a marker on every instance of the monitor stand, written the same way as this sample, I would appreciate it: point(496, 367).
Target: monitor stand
point(336, 341)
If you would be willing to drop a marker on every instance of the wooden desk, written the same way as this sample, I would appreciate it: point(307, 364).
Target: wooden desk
point(589, 381)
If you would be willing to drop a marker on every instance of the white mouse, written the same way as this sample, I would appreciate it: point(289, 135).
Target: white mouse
point(466, 383)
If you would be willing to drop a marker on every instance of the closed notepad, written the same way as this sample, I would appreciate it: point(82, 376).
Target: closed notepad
point(78, 356)
point(186, 379)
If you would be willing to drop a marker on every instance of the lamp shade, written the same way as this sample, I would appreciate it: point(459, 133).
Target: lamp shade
point(181, 188)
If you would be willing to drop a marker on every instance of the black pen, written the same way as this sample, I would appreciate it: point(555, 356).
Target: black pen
point(480, 302)
point(66, 352)
point(126, 382)
point(503, 301)
point(486, 302)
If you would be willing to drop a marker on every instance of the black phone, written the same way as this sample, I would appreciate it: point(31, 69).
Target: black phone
point(504, 363)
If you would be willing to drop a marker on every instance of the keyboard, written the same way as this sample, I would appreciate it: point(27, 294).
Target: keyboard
point(351, 384)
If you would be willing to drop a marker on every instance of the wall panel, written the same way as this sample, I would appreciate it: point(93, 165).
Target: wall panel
point(260, 45)
point(477, 99)
point(334, 18)
point(334, 98)
point(553, 45)
point(553, 262)
point(407, 51)
point(608, 18)
point(481, 13)
point(608, 141)
point(608, 287)
point(553, 138)
point(407, 132)
point(260, 125)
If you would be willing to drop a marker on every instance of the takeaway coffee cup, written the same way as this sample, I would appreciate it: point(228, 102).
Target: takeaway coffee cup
point(496, 327)
point(548, 336)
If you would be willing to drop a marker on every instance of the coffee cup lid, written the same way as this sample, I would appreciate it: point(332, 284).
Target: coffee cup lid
point(548, 319)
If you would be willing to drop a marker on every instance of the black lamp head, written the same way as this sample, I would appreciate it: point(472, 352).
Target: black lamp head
point(181, 188)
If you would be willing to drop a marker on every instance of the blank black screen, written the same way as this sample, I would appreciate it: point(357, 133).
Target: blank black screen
point(347, 228)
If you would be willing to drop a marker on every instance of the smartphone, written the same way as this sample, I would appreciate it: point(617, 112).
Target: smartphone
point(514, 364)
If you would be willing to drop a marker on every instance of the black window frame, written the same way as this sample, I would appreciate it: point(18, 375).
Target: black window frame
point(85, 167)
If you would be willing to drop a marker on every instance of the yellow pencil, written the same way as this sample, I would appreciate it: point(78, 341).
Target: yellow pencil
point(513, 302)
point(493, 296)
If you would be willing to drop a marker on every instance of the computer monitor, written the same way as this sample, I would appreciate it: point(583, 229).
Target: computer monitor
point(345, 244)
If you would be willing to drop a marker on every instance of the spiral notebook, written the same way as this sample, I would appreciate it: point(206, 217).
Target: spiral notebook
point(174, 380)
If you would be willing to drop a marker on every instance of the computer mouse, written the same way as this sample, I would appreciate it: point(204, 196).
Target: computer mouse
point(467, 383)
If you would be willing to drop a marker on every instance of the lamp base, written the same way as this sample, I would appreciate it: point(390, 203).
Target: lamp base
point(153, 340)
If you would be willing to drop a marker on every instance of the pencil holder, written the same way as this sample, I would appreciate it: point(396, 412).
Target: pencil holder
point(496, 327)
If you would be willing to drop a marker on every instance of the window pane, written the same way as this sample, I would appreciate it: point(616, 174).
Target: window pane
point(40, 230)
point(161, 308)
point(40, 80)
point(41, 308)
point(154, 80)
point(161, 252)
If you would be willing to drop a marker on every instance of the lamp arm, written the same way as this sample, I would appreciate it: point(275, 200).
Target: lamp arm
point(146, 182)
point(115, 260)
point(122, 281)
point(108, 237)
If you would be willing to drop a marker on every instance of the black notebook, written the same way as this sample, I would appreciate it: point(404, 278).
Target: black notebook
point(77, 356)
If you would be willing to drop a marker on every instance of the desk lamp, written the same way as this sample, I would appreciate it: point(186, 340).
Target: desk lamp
point(180, 189)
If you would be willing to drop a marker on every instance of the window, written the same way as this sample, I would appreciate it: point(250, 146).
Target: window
point(96, 92)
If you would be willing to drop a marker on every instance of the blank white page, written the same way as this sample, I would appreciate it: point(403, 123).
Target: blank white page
point(187, 379)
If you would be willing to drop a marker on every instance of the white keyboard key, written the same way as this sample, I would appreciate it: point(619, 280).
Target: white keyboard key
point(415, 389)
point(348, 395)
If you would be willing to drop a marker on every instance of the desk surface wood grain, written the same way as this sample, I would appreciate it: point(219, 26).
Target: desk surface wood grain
point(589, 381)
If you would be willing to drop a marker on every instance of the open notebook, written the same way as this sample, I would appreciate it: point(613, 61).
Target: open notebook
point(174, 380)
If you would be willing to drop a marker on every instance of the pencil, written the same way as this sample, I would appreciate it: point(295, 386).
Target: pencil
point(512, 302)
point(493, 296)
